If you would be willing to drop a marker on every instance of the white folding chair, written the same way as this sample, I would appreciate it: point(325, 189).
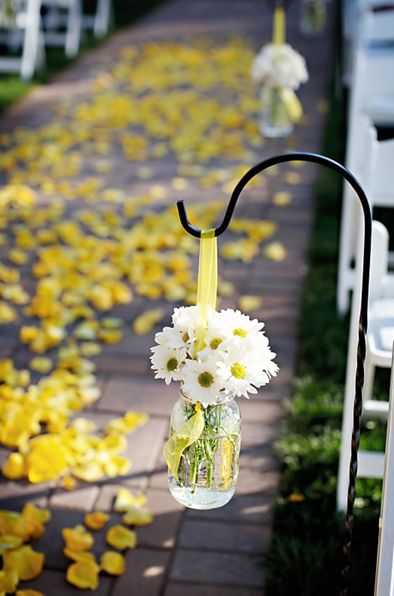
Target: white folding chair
point(67, 15)
point(100, 22)
point(362, 26)
point(381, 320)
point(26, 32)
point(378, 345)
point(384, 578)
point(372, 163)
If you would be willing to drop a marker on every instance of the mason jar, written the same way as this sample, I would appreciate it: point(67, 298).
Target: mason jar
point(275, 120)
point(208, 468)
point(313, 16)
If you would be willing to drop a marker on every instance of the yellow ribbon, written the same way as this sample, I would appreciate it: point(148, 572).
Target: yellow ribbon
point(207, 282)
point(292, 104)
point(183, 438)
point(279, 29)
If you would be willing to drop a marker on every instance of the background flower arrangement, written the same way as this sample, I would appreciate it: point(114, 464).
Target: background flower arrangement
point(279, 70)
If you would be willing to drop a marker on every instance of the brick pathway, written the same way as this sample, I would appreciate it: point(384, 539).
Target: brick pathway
point(193, 553)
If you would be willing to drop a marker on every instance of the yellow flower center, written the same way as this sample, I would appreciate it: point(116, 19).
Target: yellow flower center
point(215, 343)
point(240, 332)
point(238, 370)
point(172, 363)
point(185, 337)
point(205, 379)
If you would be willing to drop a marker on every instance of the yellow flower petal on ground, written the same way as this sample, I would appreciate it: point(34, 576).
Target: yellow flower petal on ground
point(134, 419)
point(41, 364)
point(245, 250)
point(144, 173)
point(28, 529)
point(117, 466)
point(77, 538)
point(125, 499)
point(138, 516)
point(47, 459)
point(79, 555)
point(90, 472)
point(83, 575)
point(29, 593)
point(25, 561)
point(113, 443)
point(275, 251)
point(130, 421)
point(68, 482)
point(28, 333)
point(9, 542)
point(281, 199)
point(249, 303)
point(7, 313)
point(31, 512)
point(121, 538)
point(292, 178)
point(96, 520)
point(145, 322)
point(111, 336)
point(17, 256)
point(88, 330)
point(8, 581)
point(83, 425)
point(15, 293)
point(90, 348)
point(14, 467)
point(113, 563)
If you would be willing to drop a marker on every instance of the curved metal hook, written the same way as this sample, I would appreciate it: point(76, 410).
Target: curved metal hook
point(363, 317)
point(260, 167)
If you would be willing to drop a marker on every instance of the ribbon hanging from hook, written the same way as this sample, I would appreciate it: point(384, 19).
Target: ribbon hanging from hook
point(279, 29)
point(207, 282)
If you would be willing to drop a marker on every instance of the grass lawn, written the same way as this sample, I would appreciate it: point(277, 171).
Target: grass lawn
point(12, 88)
point(304, 557)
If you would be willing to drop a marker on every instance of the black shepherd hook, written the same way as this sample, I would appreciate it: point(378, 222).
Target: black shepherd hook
point(280, 3)
point(363, 318)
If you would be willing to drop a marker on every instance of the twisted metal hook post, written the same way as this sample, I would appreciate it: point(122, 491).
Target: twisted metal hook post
point(363, 317)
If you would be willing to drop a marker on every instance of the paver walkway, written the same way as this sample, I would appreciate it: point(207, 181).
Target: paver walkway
point(192, 553)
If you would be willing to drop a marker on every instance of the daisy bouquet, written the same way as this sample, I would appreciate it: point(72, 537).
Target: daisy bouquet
point(215, 356)
point(233, 359)
point(279, 70)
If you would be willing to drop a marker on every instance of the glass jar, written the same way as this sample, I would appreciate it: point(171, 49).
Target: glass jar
point(208, 468)
point(313, 16)
point(275, 117)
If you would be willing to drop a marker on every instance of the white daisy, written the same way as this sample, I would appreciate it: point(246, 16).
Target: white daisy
point(236, 324)
point(171, 337)
point(240, 370)
point(167, 362)
point(201, 381)
point(215, 336)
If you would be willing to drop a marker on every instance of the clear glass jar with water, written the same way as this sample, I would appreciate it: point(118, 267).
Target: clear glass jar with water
point(208, 468)
point(275, 119)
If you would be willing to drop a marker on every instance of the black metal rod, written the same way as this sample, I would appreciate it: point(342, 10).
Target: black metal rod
point(363, 317)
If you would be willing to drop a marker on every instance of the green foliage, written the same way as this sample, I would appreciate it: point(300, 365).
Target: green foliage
point(12, 88)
